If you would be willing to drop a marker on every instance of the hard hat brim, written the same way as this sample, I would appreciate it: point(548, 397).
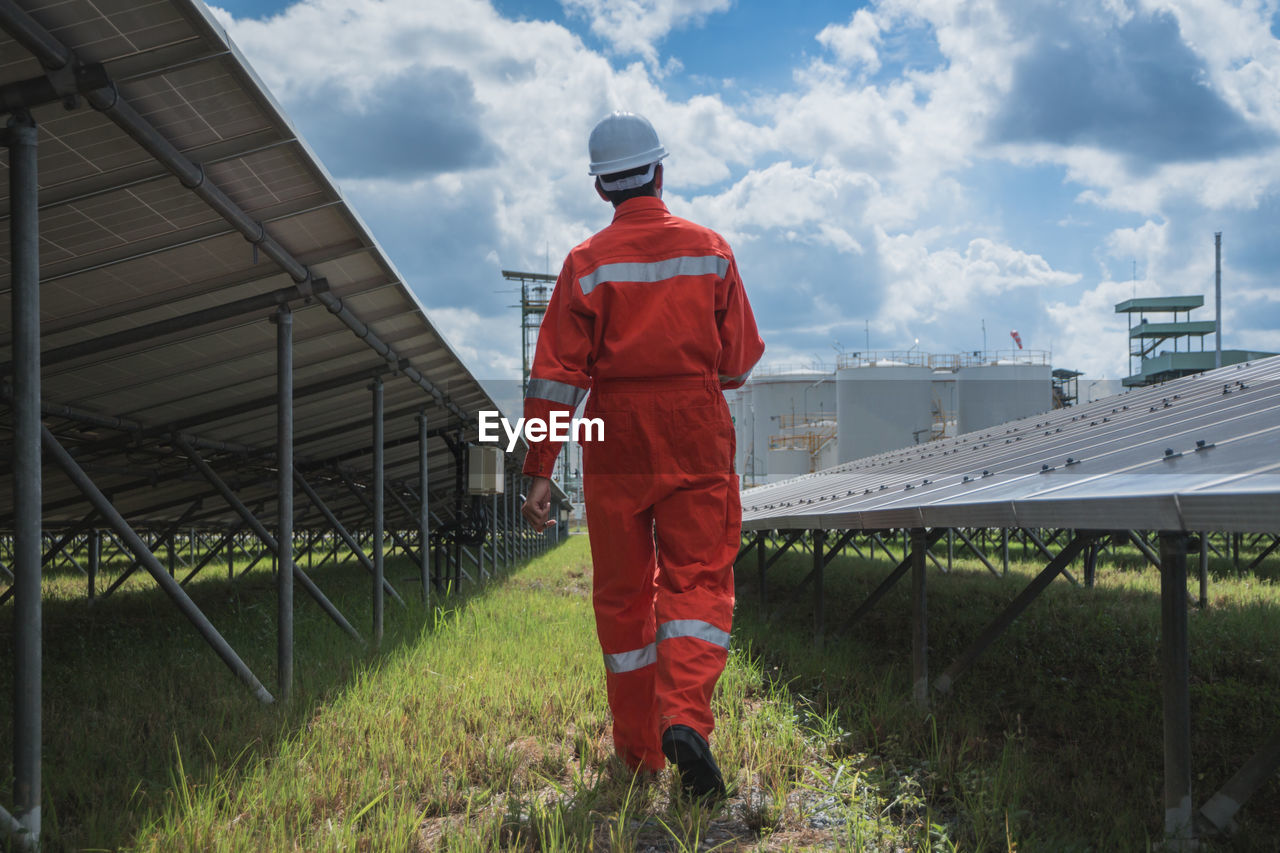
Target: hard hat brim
point(635, 161)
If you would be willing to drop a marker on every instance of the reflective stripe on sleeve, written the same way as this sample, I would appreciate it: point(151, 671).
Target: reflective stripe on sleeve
point(654, 270)
point(556, 392)
point(728, 380)
point(633, 660)
point(695, 628)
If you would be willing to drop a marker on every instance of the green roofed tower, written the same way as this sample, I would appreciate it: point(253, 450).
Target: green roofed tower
point(1146, 339)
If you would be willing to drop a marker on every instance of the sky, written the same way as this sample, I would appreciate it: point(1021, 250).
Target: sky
point(886, 172)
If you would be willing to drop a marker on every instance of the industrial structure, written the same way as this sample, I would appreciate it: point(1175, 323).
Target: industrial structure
point(1149, 364)
point(206, 352)
point(798, 420)
point(1191, 461)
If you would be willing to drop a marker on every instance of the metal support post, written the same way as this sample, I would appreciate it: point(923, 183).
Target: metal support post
point(379, 502)
point(998, 625)
point(262, 533)
point(888, 583)
point(919, 620)
point(1004, 549)
point(819, 563)
point(347, 539)
point(1175, 675)
point(95, 560)
point(149, 562)
point(424, 511)
point(24, 243)
point(1204, 570)
point(493, 529)
point(760, 566)
point(284, 499)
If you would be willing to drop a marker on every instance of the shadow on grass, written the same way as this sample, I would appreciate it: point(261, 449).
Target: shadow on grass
point(129, 686)
point(1053, 740)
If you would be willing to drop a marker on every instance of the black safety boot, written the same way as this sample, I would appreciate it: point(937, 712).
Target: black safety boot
point(699, 775)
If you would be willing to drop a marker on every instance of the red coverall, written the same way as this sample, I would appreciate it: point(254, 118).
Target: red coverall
point(651, 316)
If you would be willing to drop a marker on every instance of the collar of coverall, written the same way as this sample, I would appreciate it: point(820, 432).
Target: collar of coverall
point(638, 205)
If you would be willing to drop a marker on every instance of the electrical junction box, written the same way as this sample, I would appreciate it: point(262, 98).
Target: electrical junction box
point(484, 469)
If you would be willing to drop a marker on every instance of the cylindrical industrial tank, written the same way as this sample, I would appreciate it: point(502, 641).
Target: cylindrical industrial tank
point(882, 407)
point(777, 403)
point(991, 394)
point(786, 463)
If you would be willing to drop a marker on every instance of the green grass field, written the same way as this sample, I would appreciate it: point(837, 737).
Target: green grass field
point(481, 723)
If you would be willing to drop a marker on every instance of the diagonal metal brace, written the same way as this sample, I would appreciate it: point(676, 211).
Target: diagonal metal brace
point(346, 537)
point(262, 533)
point(887, 584)
point(998, 625)
point(81, 480)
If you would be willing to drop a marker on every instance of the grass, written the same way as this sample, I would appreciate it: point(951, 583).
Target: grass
point(481, 723)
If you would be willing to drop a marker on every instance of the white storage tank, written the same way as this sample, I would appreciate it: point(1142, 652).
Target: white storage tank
point(991, 394)
point(882, 406)
point(774, 402)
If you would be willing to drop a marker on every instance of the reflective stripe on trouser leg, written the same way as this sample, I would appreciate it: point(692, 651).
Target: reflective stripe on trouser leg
point(698, 527)
point(622, 595)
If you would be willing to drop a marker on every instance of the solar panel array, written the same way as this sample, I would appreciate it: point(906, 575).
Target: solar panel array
point(126, 245)
point(1198, 453)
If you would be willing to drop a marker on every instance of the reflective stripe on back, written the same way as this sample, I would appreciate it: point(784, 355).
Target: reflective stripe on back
point(556, 392)
point(633, 660)
point(654, 270)
point(695, 628)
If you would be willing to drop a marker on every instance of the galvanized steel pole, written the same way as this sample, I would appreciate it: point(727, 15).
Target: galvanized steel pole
point(424, 511)
point(919, 620)
point(149, 562)
point(1175, 674)
point(24, 242)
point(284, 499)
point(1217, 298)
point(379, 501)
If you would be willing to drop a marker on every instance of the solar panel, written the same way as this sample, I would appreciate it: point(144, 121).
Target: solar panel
point(1197, 453)
point(125, 245)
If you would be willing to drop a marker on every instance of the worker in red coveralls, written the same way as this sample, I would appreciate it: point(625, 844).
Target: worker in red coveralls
point(651, 317)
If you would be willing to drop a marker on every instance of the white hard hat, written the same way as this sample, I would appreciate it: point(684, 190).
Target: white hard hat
point(622, 141)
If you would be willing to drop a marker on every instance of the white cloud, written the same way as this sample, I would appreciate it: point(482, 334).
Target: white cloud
point(636, 26)
point(929, 286)
point(1091, 337)
point(848, 198)
point(855, 42)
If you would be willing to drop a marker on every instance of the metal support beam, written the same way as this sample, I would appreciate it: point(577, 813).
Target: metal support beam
point(95, 560)
point(1270, 549)
point(977, 552)
point(1001, 623)
point(150, 331)
point(396, 538)
point(379, 504)
point(1044, 549)
point(888, 583)
point(261, 532)
point(284, 500)
point(424, 510)
point(149, 562)
point(819, 563)
point(1221, 808)
point(24, 243)
point(919, 620)
point(1176, 679)
point(347, 539)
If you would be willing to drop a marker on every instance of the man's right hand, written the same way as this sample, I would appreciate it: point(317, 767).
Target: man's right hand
point(537, 506)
